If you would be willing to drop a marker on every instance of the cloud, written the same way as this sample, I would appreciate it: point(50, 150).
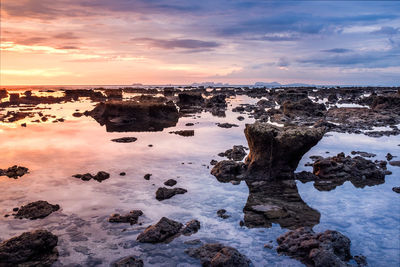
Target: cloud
point(388, 30)
point(178, 43)
point(337, 50)
point(66, 35)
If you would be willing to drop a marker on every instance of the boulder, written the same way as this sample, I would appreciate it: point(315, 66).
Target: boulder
point(228, 170)
point(166, 193)
point(36, 210)
point(36, 248)
point(14, 172)
point(237, 153)
point(191, 227)
point(218, 255)
point(132, 217)
point(160, 232)
point(170, 182)
point(276, 151)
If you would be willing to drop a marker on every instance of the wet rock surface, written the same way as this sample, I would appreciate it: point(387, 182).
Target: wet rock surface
point(130, 261)
point(329, 248)
point(36, 248)
point(219, 255)
point(124, 140)
point(14, 172)
point(395, 163)
point(276, 151)
point(191, 227)
point(163, 193)
point(229, 170)
point(396, 189)
point(185, 133)
point(132, 217)
point(222, 214)
point(170, 182)
point(237, 153)
point(227, 125)
point(161, 231)
point(36, 210)
point(330, 172)
point(99, 177)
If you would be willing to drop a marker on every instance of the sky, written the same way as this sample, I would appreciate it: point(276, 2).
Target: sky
point(78, 42)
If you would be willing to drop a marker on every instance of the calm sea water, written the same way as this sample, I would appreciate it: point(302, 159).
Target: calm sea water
point(53, 152)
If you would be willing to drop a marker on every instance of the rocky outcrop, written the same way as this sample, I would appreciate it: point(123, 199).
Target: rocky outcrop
point(160, 232)
point(124, 116)
point(276, 151)
point(37, 248)
point(303, 108)
point(216, 254)
point(99, 177)
point(229, 170)
point(14, 172)
point(36, 210)
point(330, 172)
point(237, 153)
point(277, 202)
point(132, 217)
point(191, 227)
point(329, 248)
point(166, 193)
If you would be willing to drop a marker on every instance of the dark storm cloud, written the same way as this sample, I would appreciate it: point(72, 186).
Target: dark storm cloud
point(337, 50)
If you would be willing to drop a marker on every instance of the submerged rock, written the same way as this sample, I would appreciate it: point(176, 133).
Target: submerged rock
point(132, 217)
point(36, 210)
point(124, 140)
point(227, 125)
point(166, 193)
point(14, 172)
point(222, 214)
point(36, 248)
point(276, 151)
point(185, 133)
point(395, 163)
point(160, 232)
point(124, 116)
point(329, 248)
point(99, 177)
point(130, 261)
point(218, 255)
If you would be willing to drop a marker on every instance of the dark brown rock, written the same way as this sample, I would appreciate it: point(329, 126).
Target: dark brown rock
point(124, 140)
point(130, 261)
point(147, 176)
point(132, 217)
point(228, 170)
point(166, 193)
point(222, 214)
point(160, 232)
point(237, 153)
point(36, 210)
point(185, 133)
point(37, 248)
point(14, 172)
point(217, 255)
point(191, 227)
point(170, 182)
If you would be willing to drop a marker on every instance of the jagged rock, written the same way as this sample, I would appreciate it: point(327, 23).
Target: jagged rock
point(222, 214)
point(216, 101)
point(160, 232)
point(124, 140)
point(130, 261)
point(228, 170)
point(185, 133)
point(276, 151)
point(170, 182)
point(191, 227)
point(36, 210)
point(277, 202)
point(166, 193)
point(237, 153)
point(329, 248)
point(217, 255)
point(14, 172)
point(123, 116)
point(363, 154)
point(304, 107)
point(227, 125)
point(132, 217)
point(37, 248)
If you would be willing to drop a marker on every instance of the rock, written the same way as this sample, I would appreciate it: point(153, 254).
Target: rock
point(130, 261)
point(360, 260)
point(395, 163)
point(389, 156)
point(275, 152)
point(99, 177)
point(240, 118)
point(304, 107)
point(36, 248)
point(363, 154)
point(14, 172)
point(189, 124)
point(132, 217)
point(147, 176)
point(329, 248)
point(222, 213)
point(396, 189)
point(36, 210)
point(277, 202)
point(191, 227)
point(227, 125)
point(166, 193)
point(170, 182)
point(122, 173)
point(185, 133)
point(124, 116)
point(160, 232)
point(124, 140)
point(237, 153)
point(269, 246)
point(228, 170)
point(334, 171)
point(214, 255)
point(213, 162)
